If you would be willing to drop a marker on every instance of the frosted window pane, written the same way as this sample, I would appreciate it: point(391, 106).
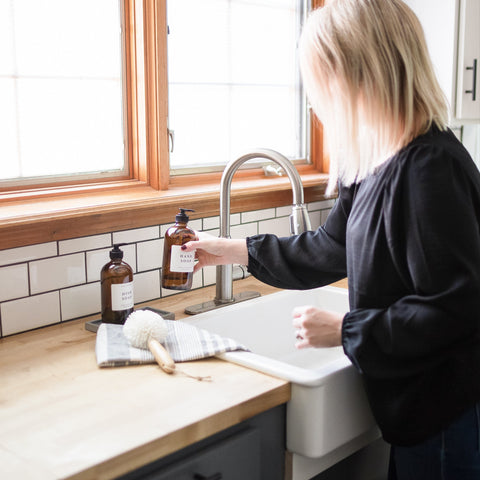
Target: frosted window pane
point(233, 79)
point(201, 133)
point(61, 88)
point(69, 126)
point(6, 39)
point(265, 51)
point(199, 49)
point(67, 37)
point(8, 130)
point(198, 41)
point(274, 122)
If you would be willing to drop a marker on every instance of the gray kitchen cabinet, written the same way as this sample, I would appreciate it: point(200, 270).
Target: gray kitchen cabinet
point(452, 31)
point(253, 449)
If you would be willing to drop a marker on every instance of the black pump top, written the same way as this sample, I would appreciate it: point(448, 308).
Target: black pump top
point(116, 252)
point(182, 216)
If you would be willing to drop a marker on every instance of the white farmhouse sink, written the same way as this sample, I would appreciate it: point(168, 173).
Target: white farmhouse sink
point(328, 412)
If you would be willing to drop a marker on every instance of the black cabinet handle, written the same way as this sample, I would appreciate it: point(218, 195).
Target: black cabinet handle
point(215, 476)
point(473, 91)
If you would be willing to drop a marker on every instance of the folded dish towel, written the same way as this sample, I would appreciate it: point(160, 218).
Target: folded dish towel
point(183, 342)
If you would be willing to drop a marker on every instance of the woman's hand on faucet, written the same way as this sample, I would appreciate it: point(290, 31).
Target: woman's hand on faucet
point(210, 250)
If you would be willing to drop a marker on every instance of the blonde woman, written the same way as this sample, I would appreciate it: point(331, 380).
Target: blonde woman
point(405, 230)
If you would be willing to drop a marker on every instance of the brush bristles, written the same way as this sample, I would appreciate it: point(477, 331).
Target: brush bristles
point(142, 325)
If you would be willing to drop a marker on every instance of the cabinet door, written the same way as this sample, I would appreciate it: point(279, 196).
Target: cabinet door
point(468, 74)
point(439, 21)
point(233, 458)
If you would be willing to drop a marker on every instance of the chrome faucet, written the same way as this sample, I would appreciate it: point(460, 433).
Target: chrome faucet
point(299, 222)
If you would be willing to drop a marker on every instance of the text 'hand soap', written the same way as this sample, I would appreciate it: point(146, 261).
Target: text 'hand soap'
point(177, 270)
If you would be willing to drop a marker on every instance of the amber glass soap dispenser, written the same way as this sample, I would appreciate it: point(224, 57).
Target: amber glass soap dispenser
point(117, 288)
point(177, 270)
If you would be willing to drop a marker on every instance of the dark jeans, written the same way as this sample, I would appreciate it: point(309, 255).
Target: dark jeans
point(454, 454)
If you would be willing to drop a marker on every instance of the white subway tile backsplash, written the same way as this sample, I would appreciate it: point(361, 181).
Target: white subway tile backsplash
point(257, 215)
point(150, 255)
point(164, 228)
point(323, 216)
point(31, 312)
point(136, 235)
point(84, 243)
point(25, 254)
point(284, 211)
point(58, 272)
point(197, 280)
point(165, 292)
point(321, 205)
point(13, 282)
point(277, 226)
point(80, 301)
point(129, 256)
point(209, 275)
point(214, 233)
point(244, 230)
point(96, 259)
point(195, 224)
point(146, 286)
point(315, 206)
point(55, 281)
point(315, 219)
point(211, 222)
point(214, 222)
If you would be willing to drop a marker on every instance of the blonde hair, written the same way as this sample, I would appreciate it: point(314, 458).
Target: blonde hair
point(369, 79)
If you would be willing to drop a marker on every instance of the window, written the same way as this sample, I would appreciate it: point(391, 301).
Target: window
point(234, 80)
point(61, 90)
point(146, 194)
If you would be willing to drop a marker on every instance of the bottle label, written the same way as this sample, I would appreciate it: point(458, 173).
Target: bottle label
point(122, 296)
point(181, 261)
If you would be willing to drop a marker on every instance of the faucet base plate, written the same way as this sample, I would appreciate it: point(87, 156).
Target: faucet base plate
point(212, 304)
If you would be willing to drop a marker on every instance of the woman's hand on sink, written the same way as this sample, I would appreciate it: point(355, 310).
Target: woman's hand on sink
point(316, 327)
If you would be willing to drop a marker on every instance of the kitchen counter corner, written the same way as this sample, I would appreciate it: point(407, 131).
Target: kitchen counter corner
point(63, 417)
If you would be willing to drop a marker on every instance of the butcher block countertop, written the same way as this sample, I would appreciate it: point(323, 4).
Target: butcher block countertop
point(62, 417)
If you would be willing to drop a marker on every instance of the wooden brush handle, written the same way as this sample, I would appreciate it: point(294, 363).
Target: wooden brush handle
point(162, 357)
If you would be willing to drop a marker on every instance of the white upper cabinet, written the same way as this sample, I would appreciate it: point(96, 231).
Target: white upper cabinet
point(452, 30)
point(468, 76)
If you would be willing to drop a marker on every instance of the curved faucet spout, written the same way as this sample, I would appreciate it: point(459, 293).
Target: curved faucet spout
point(299, 220)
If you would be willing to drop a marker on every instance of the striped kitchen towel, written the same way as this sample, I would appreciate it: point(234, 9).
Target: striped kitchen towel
point(183, 342)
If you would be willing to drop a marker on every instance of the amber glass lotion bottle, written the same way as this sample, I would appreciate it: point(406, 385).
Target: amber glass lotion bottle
point(116, 279)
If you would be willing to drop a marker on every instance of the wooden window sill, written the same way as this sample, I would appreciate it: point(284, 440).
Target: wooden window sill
point(130, 204)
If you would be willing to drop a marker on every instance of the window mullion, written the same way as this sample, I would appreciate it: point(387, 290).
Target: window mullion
point(130, 93)
point(156, 102)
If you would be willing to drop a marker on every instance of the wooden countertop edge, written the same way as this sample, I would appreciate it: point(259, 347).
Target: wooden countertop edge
point(204, 428)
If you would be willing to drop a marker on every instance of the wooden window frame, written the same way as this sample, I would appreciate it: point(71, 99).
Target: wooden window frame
point(150, 196)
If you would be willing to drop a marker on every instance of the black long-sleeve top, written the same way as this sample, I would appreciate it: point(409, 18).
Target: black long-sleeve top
point(408, 238)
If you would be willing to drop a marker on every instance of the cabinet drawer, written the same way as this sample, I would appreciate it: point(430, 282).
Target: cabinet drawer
point(234, 458)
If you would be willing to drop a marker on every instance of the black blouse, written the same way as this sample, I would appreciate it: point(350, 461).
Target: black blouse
point(408, 238)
